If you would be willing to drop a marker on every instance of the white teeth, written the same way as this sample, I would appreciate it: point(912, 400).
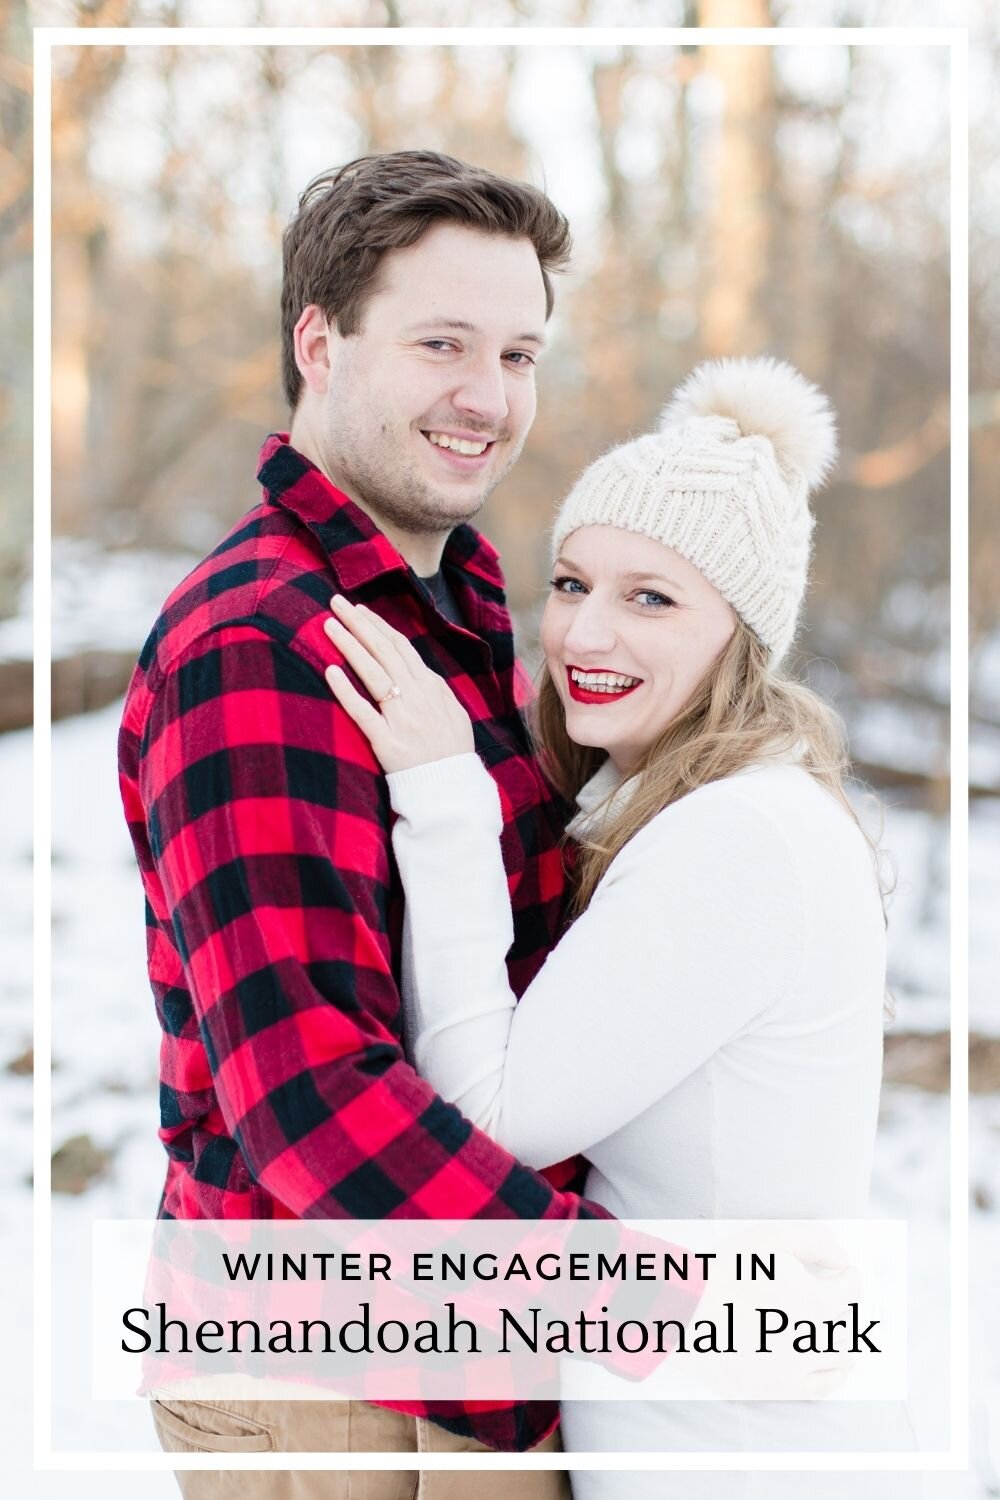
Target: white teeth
point(603, 682)
point(457, 445)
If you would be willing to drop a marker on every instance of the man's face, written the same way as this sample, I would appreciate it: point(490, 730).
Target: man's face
point(428, 406)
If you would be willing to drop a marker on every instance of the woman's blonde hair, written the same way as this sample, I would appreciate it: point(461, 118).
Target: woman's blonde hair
point(740, 713)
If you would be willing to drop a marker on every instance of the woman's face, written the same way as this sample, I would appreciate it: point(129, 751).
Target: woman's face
point(629, 630)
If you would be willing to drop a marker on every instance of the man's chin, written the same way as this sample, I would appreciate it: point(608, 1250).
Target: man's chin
point(459, 508)
point(454, 506)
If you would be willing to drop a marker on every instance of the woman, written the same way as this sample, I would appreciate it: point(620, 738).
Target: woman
point(708, 1031)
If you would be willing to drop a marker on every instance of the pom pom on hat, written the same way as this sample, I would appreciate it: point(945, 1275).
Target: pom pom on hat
point(765, 398)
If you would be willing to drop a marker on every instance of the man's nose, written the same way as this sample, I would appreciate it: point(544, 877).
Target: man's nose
point(482, 392)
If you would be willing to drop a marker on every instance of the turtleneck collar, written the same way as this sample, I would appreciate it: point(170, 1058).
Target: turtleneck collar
point(604, 794)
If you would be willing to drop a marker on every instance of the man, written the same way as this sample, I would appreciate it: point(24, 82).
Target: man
point(416, 295)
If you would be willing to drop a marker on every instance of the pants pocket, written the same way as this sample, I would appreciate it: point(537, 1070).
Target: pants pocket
point(207, 1428)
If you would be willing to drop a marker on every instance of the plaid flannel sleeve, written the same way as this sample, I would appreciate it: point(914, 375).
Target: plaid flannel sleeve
point(269, 827)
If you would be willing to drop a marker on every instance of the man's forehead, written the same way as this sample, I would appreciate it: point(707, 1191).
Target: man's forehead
point(462, 276)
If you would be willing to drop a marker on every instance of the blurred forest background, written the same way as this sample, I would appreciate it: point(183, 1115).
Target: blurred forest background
point(793, 201)
point(790, 200)
point(723, 200)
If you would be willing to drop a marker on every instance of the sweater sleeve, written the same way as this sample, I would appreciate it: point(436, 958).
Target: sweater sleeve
point(694, 932)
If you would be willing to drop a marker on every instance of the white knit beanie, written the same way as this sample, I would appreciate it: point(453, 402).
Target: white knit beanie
point(725, 481)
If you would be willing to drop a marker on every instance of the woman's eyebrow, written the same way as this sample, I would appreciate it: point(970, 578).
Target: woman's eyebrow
point(562, 561)
point(651, 578)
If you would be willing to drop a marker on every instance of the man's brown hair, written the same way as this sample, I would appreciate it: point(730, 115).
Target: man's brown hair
point(349, 218)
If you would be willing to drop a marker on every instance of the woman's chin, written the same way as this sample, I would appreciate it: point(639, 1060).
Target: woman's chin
point(587, 735)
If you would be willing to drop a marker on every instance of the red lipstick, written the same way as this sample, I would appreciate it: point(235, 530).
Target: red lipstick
point(580, 694)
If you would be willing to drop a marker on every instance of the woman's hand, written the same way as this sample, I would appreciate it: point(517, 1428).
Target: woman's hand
point(416, 717)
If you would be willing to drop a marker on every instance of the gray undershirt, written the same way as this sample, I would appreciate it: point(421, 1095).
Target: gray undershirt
point(444, 597)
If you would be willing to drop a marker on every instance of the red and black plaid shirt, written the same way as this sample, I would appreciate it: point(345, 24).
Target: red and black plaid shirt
point(260, 820)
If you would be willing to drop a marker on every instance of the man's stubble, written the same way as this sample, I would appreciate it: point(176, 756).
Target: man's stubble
point(396, 495)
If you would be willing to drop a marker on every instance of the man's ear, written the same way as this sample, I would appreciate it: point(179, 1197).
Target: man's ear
point(312, 348)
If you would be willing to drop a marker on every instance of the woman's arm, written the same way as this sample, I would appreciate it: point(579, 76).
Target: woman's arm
point(693, 932)
point(458, 925)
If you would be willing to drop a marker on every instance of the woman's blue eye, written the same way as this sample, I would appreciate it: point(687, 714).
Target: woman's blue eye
point(648, 599)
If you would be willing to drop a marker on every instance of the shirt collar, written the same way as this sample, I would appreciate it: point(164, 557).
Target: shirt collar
point(357, 550)
point(607, 792)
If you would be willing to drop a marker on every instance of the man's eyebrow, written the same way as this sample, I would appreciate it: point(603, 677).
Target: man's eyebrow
point(462, 326)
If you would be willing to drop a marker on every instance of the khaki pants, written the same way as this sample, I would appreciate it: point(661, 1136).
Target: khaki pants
point(334, 1427)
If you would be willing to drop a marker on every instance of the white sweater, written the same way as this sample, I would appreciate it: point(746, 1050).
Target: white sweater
point(708, 1033)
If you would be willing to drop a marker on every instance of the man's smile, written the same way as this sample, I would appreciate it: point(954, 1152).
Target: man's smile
point(464, 451)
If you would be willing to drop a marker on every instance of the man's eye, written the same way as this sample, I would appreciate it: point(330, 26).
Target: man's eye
point(437, 344)
point(521, 356)
point(564, 584)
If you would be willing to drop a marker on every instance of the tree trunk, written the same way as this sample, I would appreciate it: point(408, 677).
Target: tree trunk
point(737, 222)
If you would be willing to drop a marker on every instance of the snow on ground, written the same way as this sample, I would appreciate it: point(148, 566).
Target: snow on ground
point(100, 600)
point(911, 739)
point(984, 904)
point(104, 1082)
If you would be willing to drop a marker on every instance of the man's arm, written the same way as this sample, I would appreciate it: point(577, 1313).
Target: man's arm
point(268, 820)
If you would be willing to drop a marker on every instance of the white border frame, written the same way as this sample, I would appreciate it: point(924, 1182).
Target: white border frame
point(956, 40)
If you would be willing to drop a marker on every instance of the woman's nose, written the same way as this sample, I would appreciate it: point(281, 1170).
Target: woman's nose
point(591, 630)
